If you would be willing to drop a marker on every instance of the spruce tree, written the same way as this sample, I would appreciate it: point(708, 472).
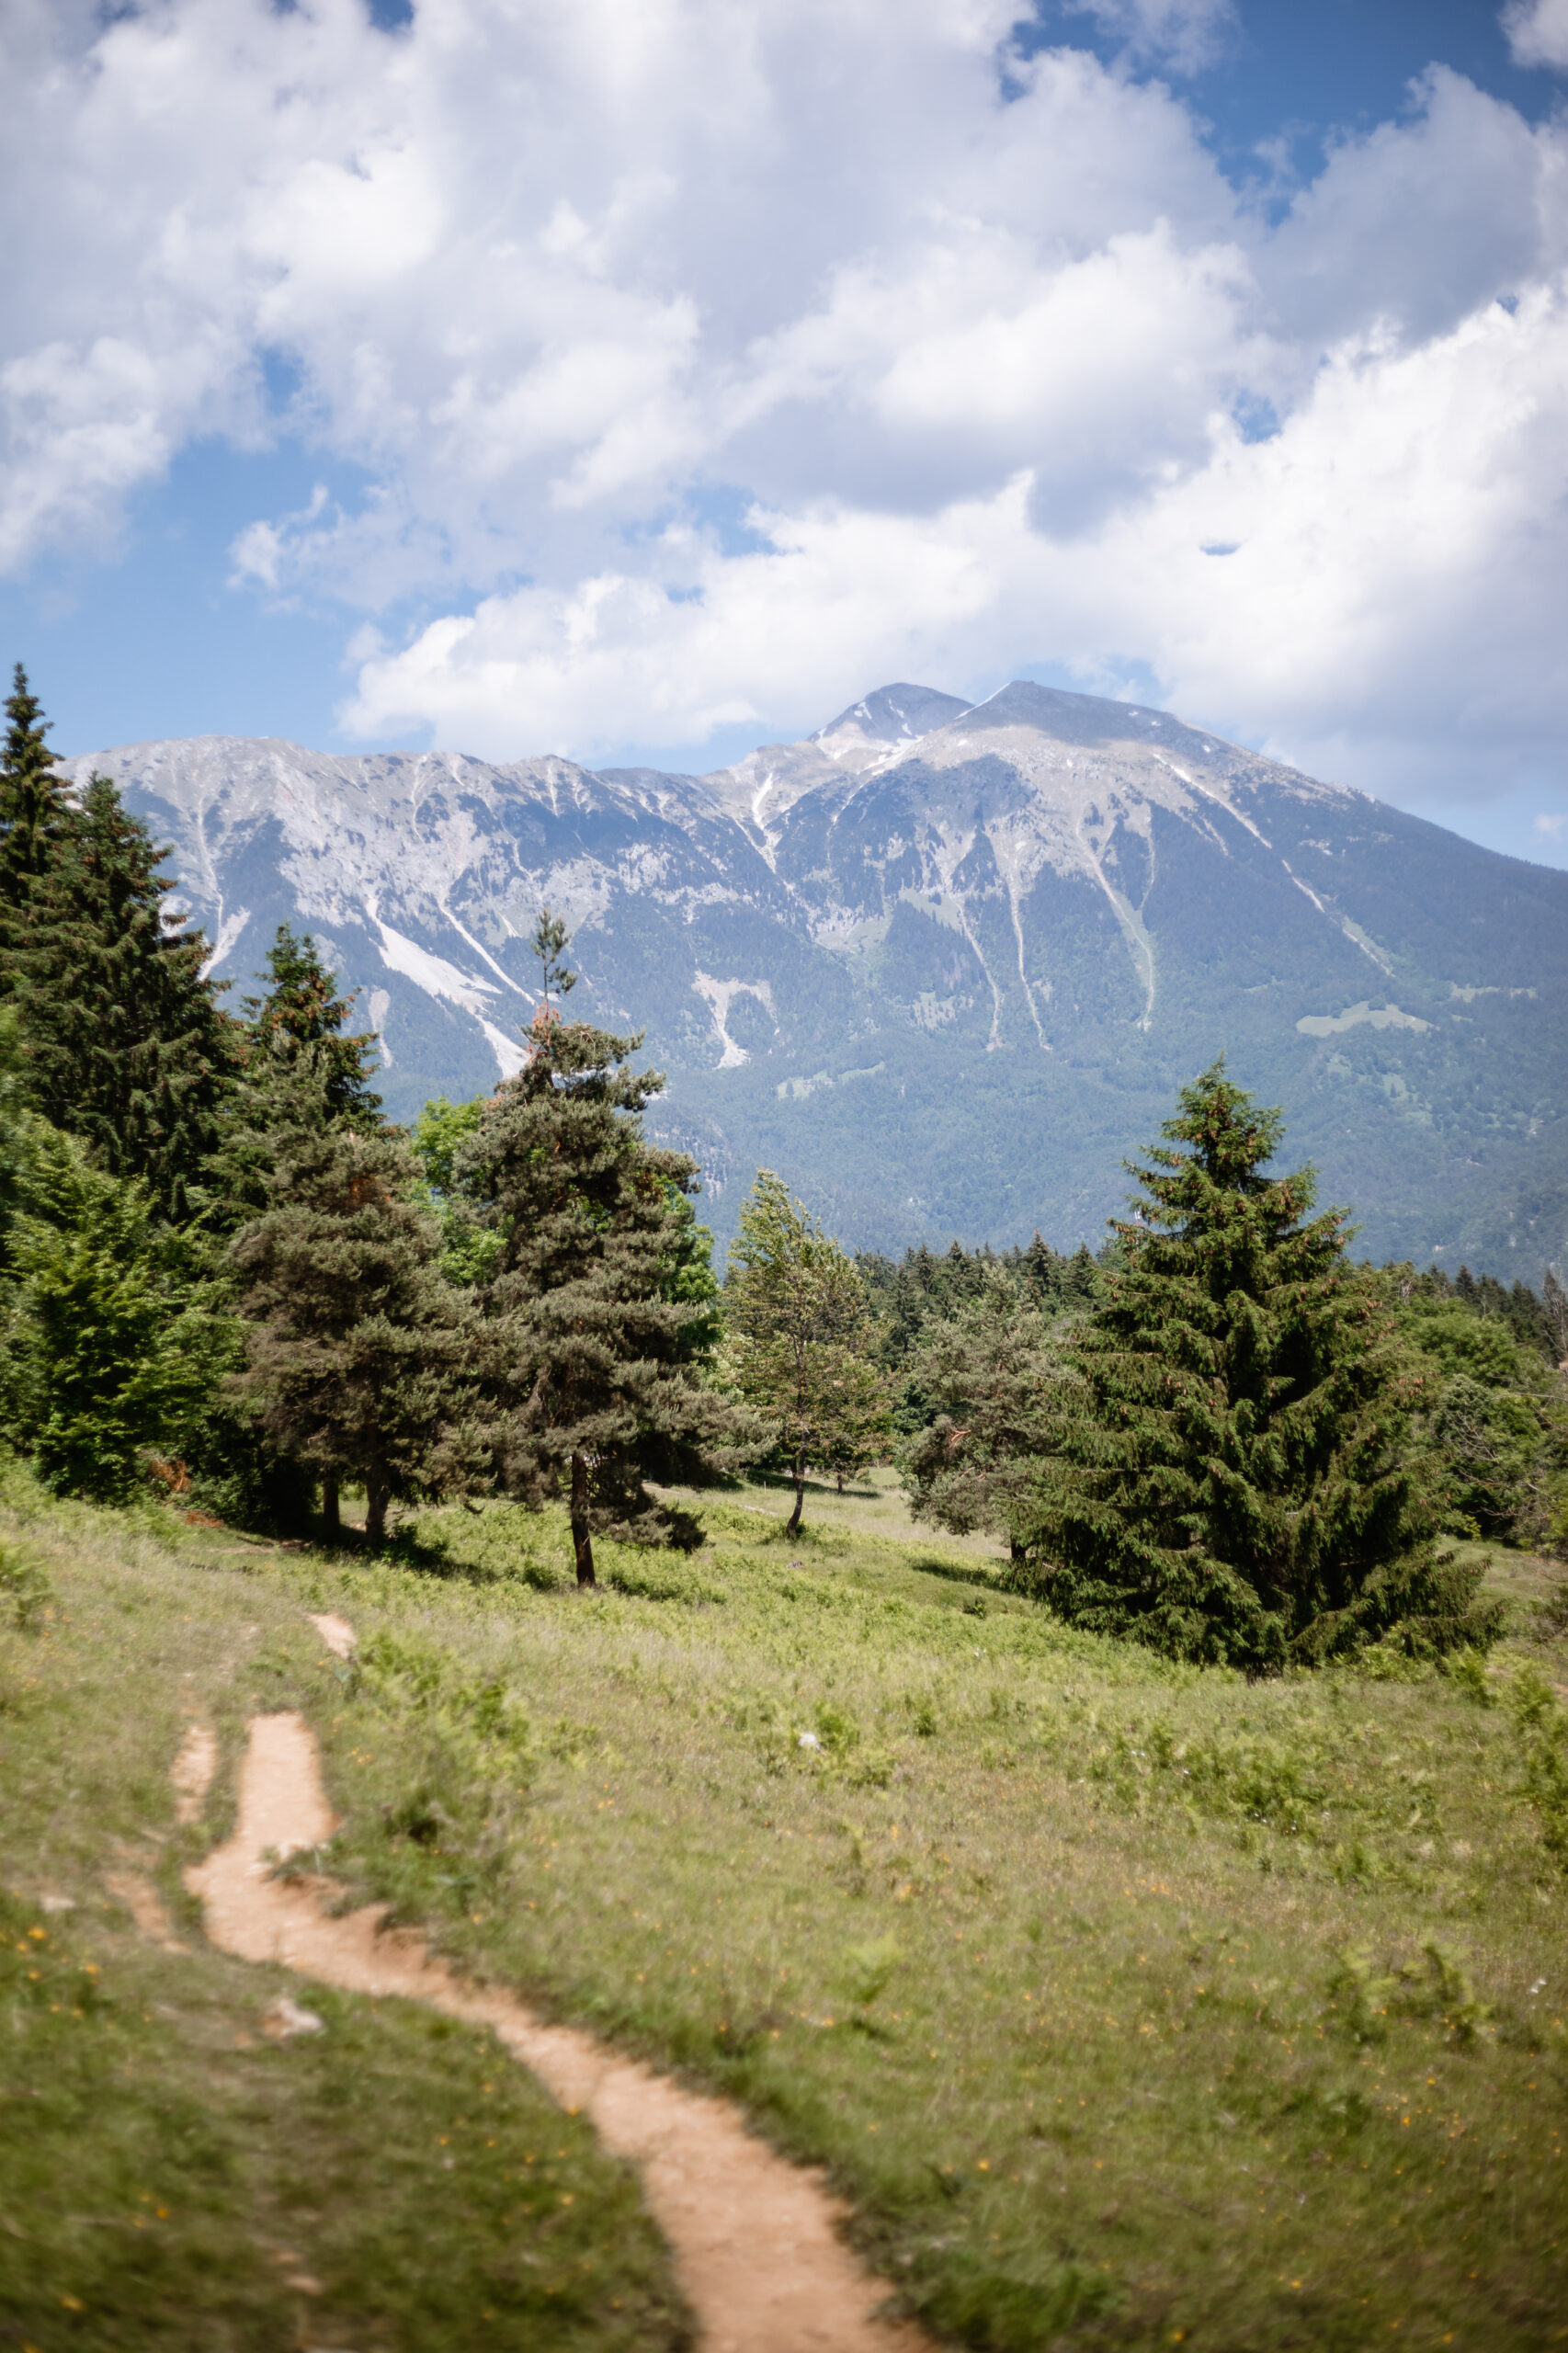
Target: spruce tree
point(596, 1352)
point(300, 1017)
point(296, 1070)
point(796, 1310)
point(1229, 1477)
point(356, 1349)
point(126, 1043)
point(34, 811)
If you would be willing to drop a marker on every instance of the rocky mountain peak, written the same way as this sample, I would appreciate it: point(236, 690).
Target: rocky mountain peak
point(943, 965)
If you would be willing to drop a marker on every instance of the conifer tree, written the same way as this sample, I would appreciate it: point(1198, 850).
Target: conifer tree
point(301, 1017)
point(126, 1043)
point(796, 1310)
point(34, 810)
point(1555, 1303)
point(356, 1349)
point(108, 1342)
point(297, 1070)
point(1228, 1476)
point(597, 1351)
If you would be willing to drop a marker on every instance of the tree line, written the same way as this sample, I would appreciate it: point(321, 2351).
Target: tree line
point(225, 1271)
point(227, 1277)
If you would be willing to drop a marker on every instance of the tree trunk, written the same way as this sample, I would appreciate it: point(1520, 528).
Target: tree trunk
point(792, 1526)
point(582, 1542)
point(1015, 1549)
point(331, 1524)
point(375, 1510)
point(841, 1483)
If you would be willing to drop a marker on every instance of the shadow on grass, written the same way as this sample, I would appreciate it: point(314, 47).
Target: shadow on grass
point(501, 1561)
point(780, 1483)
point(935, 1565)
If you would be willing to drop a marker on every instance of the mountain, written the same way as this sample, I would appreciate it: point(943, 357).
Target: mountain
point(941, 965)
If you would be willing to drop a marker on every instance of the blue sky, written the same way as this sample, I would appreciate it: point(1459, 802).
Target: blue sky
point(649, 377)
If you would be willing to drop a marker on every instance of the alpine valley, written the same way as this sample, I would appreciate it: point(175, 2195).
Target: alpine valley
point(942, 967)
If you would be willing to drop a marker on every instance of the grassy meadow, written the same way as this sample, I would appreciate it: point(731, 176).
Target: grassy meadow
point(1128, 2004)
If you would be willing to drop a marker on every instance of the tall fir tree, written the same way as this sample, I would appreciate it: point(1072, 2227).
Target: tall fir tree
point(598, 1337)
point(356, 1350)
point(1229, 1476)
point(126, 1043)
point(298, 1069)
point(34, 811)
point(300, 1018)
point(799, 1327)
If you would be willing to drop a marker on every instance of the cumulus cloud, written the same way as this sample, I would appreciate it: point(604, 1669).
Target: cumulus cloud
point(980, 355)
point(1538, 32)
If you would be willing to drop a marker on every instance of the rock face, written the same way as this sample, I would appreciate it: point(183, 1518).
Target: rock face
point(942, 966)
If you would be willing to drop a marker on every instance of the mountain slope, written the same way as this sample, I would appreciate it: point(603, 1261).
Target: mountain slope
point(943, 966)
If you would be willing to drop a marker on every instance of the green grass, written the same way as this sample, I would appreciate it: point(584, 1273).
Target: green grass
point(169, 2176)
point(1127, 2005)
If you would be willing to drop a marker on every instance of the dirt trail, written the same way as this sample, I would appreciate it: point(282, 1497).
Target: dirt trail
point(336, 1633)
point(192, 1772)
point(756, 2249)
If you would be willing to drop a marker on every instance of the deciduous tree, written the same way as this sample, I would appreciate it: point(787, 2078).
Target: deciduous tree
point(988, 1373)
point(801, 1353)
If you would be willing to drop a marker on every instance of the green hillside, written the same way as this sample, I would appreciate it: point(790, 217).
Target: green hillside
point(1127, 2005)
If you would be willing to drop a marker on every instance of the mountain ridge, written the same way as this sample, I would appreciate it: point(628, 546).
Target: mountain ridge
point(941, 964)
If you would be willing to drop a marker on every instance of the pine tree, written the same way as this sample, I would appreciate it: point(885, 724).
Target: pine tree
point(1229, 1476)
point(796, 1310)
point(34, 811)
point(356, 1350)
point(126, 1044)
point(596, 1350)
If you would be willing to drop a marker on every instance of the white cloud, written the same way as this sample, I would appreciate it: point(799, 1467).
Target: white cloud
point(1184, 34)
point(1318, 632)
point(841, 595)
point(983, 351)
point(1538, 32)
